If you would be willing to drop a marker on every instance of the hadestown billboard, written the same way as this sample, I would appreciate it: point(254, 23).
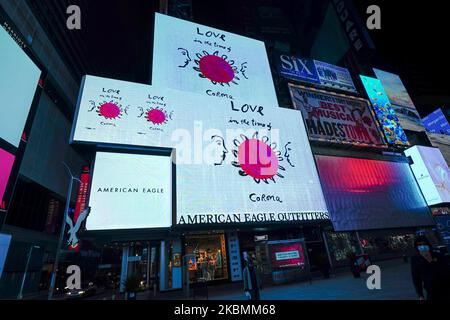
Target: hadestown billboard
point(236, 161)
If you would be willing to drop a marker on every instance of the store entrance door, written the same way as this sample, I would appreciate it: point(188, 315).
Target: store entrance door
point(142, 262)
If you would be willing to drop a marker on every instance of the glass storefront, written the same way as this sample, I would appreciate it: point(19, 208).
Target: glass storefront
point(340, 245)
point(206, 257)
point(385, 244)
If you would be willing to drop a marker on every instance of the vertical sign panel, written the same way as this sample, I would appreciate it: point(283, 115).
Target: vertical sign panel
point(385, 113)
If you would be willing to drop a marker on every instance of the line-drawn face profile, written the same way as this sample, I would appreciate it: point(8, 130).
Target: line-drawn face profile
point(221, 148)
point(243, 69)
point(186, 58)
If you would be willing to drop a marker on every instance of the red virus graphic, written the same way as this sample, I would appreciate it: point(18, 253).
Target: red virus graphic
point(216, 69)
point(156, 116)
point(109, 110)
point(257, 159)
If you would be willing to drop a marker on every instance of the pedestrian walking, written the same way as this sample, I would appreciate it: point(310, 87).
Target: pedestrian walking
point(430, 272)
point(252, 280)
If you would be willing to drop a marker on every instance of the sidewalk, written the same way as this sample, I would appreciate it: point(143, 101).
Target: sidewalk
point(396, 284)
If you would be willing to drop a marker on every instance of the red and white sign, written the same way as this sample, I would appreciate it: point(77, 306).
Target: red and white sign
point(81, 199)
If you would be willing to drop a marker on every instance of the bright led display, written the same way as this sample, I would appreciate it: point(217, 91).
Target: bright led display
point(393, 131)
point(256, 168)
point(436, 122)
point(251, 161)
point(200, 59)
point(6, 164)
point(336, 118)
point(432, 173)
point(287, 255)
point(401, 101)
point(19, 78)
point(371, 194)
point(130, 191)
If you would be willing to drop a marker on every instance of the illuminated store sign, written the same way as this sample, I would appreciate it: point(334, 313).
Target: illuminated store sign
point(6, 164)
point(393, 131)
point(432, 173)
point(130, 191)
point(313, 71)
point(401, 101)
point(19, 79)
point(287, 255)
point(371, 194)
point(336, 118)
point(191, 57)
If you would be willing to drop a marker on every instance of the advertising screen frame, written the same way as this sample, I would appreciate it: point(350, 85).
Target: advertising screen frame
point(426, 176)
point(292, 87)
point(18, 152)
point(392, 128)
point(349, 222)
point(135, 233)
point(403, 107)
point(272, 244)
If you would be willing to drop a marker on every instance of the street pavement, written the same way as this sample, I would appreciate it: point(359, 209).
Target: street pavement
point(396, 284)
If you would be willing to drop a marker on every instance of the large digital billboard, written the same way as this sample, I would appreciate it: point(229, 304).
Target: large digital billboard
point(436, 122)
point(130, 191)
point(6, 164)
point(314, 71)
point(432, 173)
point(386, 115)
point(287, 254)
point(19, 78)
point(364, 194)
point(192, 57)
point(401, 101)
point(336, 118)
point(256, 168)
point(252, 160)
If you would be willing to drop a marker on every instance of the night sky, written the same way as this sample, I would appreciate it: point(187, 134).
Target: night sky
point(414, 43)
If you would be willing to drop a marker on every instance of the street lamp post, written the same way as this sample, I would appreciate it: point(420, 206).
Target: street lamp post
point(20, 295)
point(61, 233)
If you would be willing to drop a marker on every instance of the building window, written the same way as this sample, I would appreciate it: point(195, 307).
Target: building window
point(206, 257)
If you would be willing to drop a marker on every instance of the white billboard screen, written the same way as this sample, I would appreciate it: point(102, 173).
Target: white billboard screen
point(192, 57)
point(130, 191)
point(222, 150)
point(431, 172)
point(19, 78)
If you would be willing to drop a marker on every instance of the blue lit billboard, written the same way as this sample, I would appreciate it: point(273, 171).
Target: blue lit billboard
point(436, 122)
point(385, 113)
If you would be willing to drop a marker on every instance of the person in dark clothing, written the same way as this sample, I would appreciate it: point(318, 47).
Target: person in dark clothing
point(252, 280)
point(429, 271)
